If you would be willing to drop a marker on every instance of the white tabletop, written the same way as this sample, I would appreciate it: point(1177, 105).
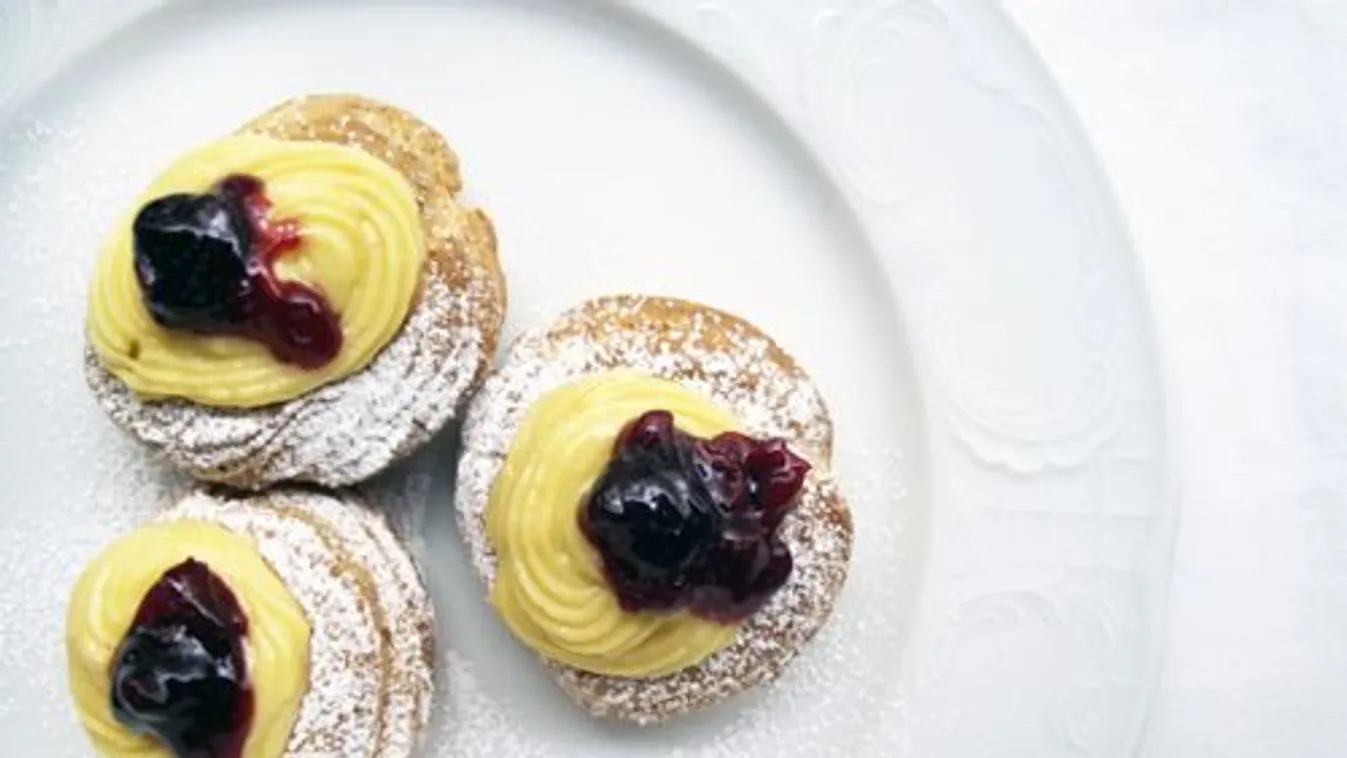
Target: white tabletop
point(1223, 125)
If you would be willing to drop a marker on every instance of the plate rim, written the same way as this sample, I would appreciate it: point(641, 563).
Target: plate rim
point(64, 44)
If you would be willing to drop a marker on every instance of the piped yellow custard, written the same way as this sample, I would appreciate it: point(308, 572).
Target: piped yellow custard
point(333, 235)
point(182, 632)
point(572, 602)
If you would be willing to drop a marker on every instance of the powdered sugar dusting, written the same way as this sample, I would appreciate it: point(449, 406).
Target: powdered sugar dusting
point(403, 495)
point(741, 368)
point(405, 613)
point(476, 723)
point(812, 709)
point(336, 435)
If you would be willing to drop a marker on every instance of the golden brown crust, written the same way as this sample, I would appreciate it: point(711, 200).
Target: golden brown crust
point(349, 430)
point(742, 368)
point(389, 133)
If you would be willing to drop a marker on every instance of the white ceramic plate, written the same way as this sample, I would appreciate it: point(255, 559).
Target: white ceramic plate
point(892, 187)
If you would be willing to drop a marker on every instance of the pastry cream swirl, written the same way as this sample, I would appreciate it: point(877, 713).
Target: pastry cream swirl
point(363, 248)
point(104, 603)
point(549, 586)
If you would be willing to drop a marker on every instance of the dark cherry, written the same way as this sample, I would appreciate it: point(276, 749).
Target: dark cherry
point(206, 263)
point(654, 523)
point(741, 575)
point(681, 521)
point(191, 254)
point(179, 674)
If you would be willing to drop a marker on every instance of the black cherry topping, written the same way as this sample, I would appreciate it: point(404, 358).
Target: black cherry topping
point(206, 263)
point(686, 522)
point(179, 674)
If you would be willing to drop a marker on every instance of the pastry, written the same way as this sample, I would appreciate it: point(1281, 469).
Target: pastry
point(644, 489)
point(290, 624)
point(302, 300)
